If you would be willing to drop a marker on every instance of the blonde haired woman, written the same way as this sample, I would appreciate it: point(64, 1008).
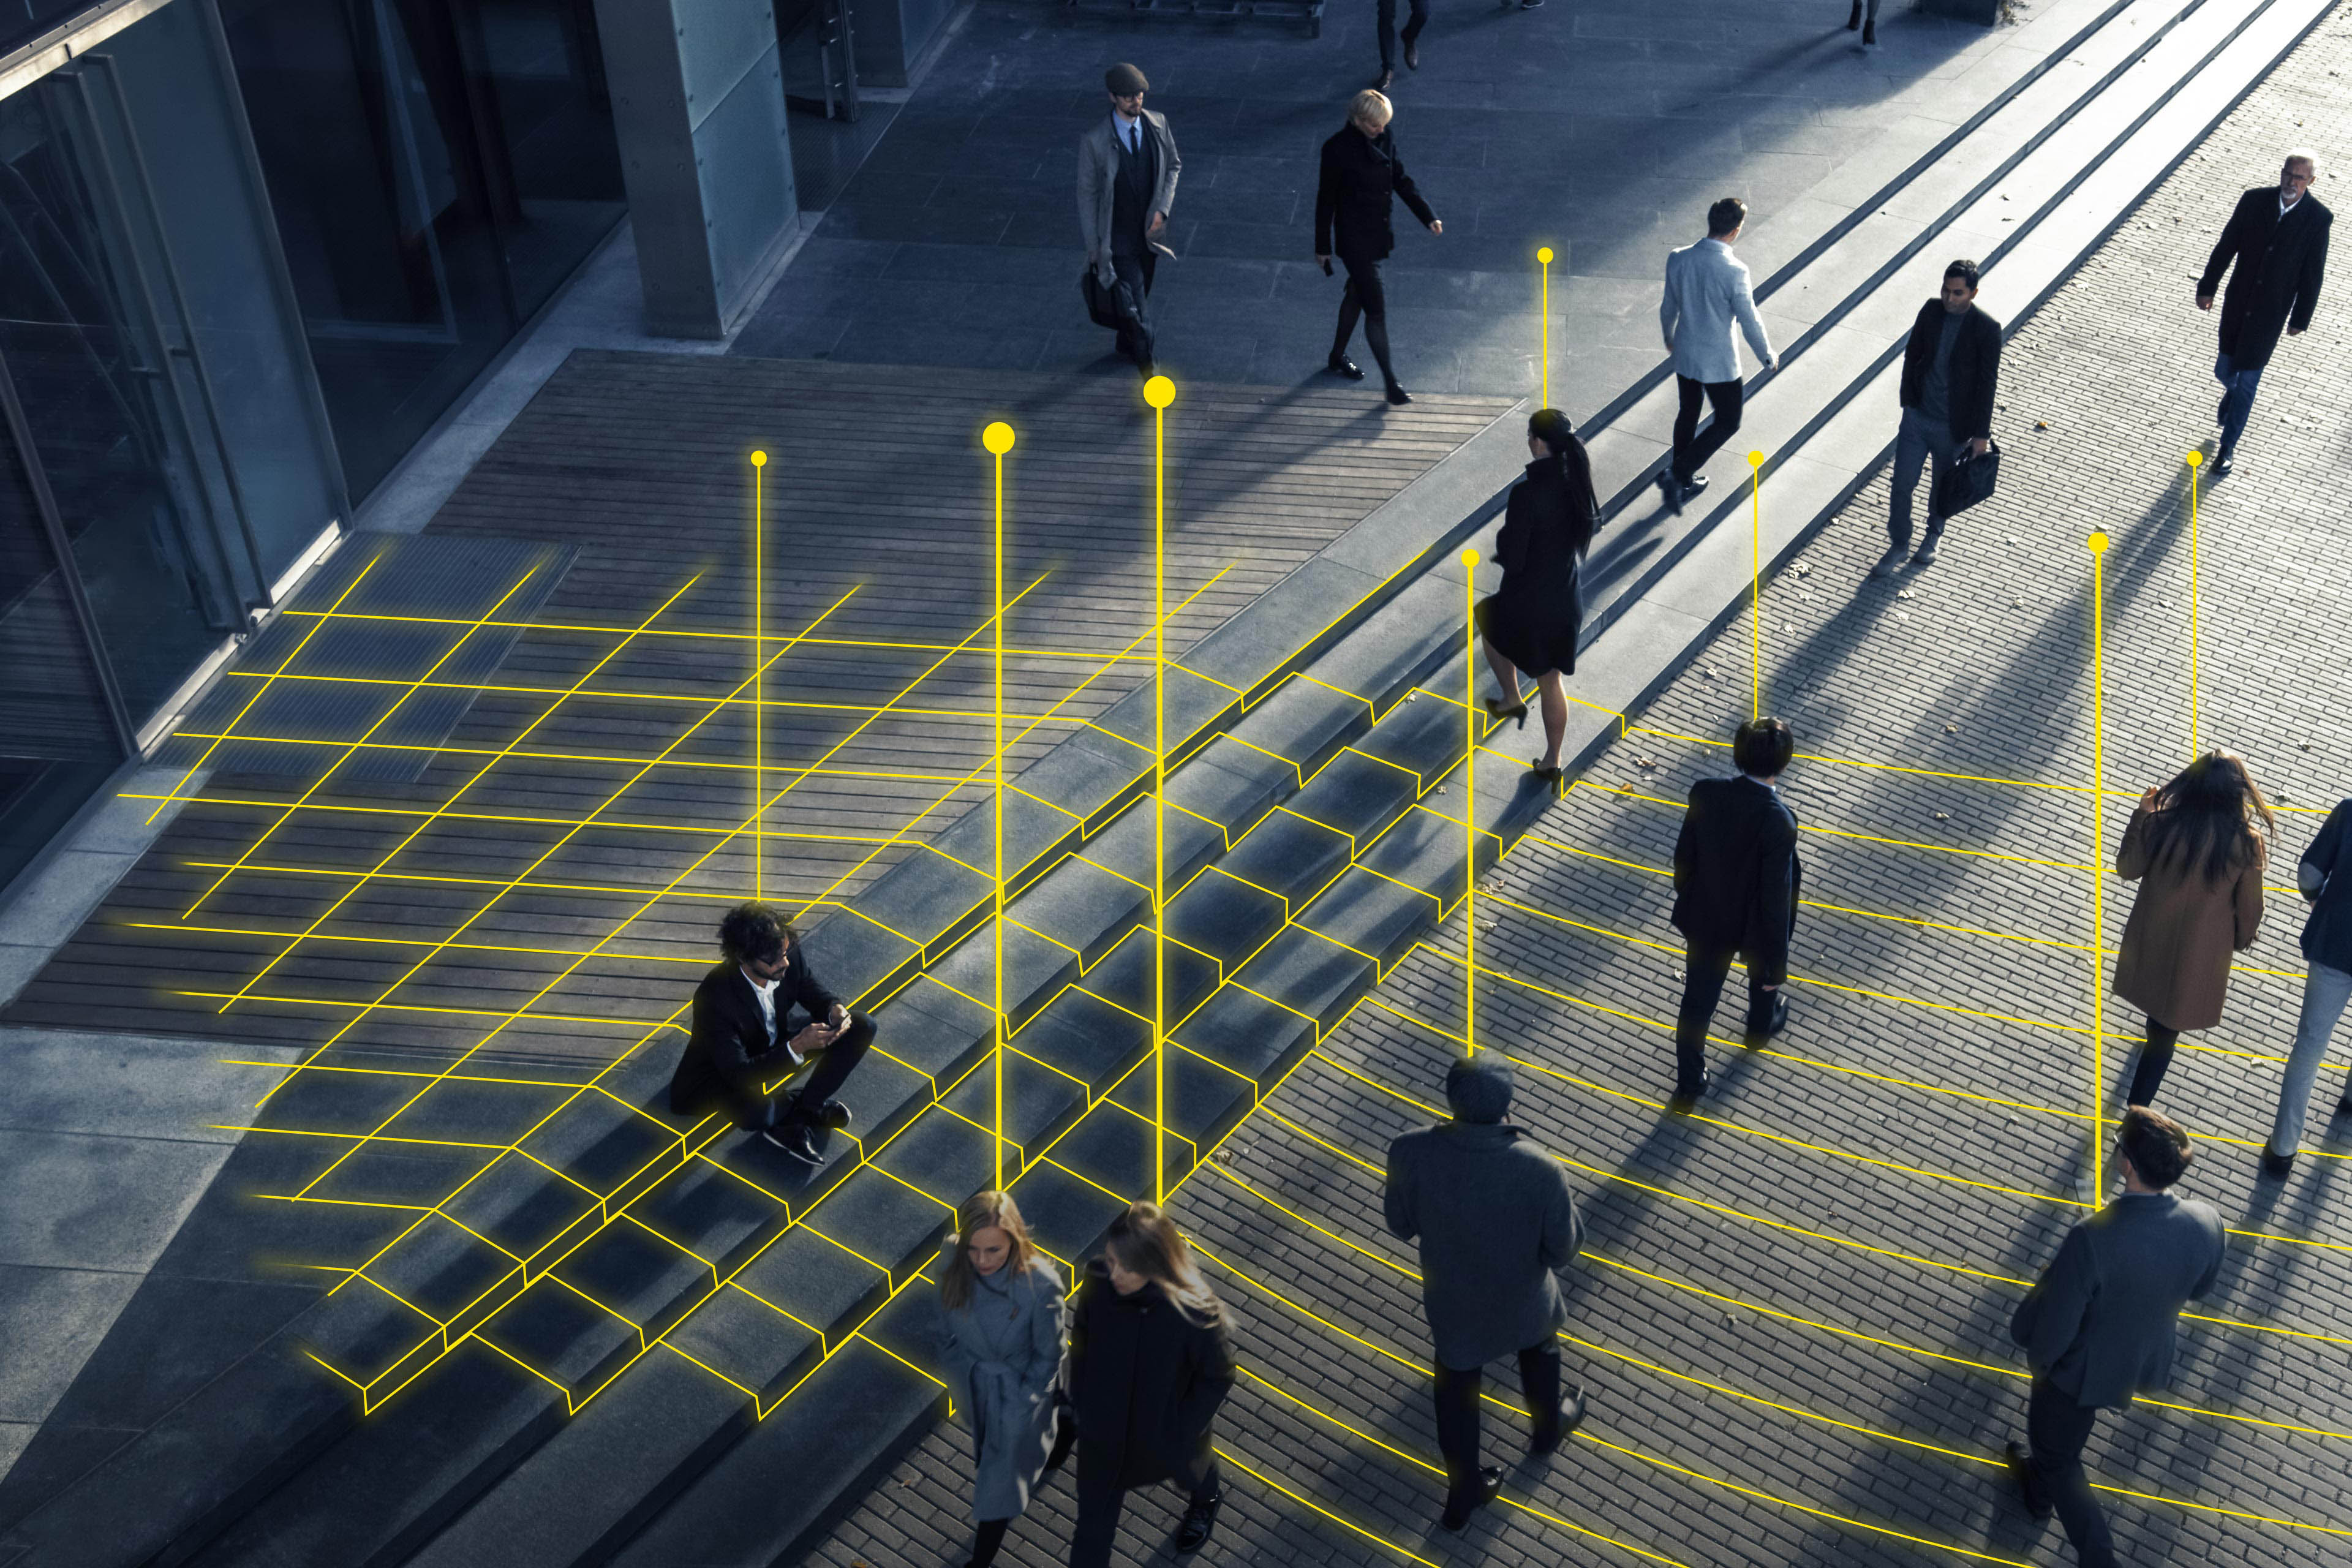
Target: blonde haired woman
point(1149, 1364)
point(1001, 1354)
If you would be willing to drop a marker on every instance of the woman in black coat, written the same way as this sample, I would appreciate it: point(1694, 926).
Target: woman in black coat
point(1532, 622)
point(1150, 1364)
point(1361, 172)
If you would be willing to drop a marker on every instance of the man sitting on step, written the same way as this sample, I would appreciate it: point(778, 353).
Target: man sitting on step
point(738, 1057)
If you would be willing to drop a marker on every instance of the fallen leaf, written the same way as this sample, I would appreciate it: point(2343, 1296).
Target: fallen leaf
point(1441, 789)
point(2042, 424)
point(1943, 816)
point(2017, 603)
point(1951, 729)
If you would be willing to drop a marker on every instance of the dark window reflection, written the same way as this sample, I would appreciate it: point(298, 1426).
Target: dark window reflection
point(437, 167)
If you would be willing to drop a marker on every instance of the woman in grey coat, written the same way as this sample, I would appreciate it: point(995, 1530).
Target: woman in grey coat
point(1001, 1340)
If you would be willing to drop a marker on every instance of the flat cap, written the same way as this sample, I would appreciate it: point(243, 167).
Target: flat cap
point(1125, 80)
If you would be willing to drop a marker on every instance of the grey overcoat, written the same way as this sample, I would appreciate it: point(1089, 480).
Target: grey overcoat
point(1001, 1356)
point(1098, 168)
point(1495, 1219)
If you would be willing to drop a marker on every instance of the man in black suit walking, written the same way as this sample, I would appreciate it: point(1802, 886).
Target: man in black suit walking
point(1736, 879)
point(1951, 367)
point(2278, 239)
point(738, 1055)
point(2099, 1325)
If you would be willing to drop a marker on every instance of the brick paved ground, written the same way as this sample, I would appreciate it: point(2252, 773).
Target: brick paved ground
point(1793, 1314)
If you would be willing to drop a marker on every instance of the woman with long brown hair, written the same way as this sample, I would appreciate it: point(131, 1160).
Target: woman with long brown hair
point(1150, 1364)
point(2196, 846)
point(1001, 1353)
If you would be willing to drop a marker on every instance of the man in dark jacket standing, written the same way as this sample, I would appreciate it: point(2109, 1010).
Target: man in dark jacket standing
point(2099, 1325)
point(2324, 879)
point(1736, 879)
point(1361, 172)
point(2278, 239)
point(1127, 186)
point(1951, 367)
point(1497, 1222)
point(741, 1053)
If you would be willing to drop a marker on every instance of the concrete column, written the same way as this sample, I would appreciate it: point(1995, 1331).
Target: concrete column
point(699, 104)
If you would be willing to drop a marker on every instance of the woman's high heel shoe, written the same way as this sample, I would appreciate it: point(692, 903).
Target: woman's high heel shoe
point(1548, 775)
point(1499, 711)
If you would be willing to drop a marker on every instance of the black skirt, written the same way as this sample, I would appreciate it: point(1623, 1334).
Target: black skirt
point(1535, 628)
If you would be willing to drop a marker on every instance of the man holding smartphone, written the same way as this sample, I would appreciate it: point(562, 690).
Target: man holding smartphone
point(738, 1056)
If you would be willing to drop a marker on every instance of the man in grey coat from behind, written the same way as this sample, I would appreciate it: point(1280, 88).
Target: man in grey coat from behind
point(1496, 1221)
point(2099, 1325)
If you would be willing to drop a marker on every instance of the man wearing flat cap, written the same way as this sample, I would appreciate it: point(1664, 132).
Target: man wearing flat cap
point(1126, 184)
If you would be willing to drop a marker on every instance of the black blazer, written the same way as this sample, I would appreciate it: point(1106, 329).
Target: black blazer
point(1737, 874)
point(2327, 935)
point(1146, 1381)
point(2275, 285)
point(723, 1064)
point(1351, 196)
point(1974, 369)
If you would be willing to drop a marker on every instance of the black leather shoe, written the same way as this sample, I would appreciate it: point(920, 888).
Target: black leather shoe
point(2344, 1106)
point(1572, 1416)
point(1499, 711)
point(832, 1115)
point(1854, 23)
point(797, 1142)
point(1670, 491)
point(1459, 1510)
point(1692, 485)
point(1412, 56)
point(1870, 33)
point(2037, 1503)
point(1530, 5)
point(1685, 1100)
point(1399, 395)
point(1199, 1520)
point(2278, 1167)
point(2218, 469)
point(1382, 85)
point(1340, 364)
point(1773, 1022)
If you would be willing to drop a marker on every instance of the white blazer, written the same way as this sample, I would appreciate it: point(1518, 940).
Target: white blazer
point(1707, 294)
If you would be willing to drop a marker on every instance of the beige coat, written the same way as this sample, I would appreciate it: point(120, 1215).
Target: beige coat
point(1098, 166)
point(2174, 963)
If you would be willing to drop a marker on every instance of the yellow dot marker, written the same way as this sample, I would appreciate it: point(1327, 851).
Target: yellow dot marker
point(2098, 544)
point(1470, 803)
point(2196, 459)
point(1543, 254)
point(759, 460)
point(997, 438)
point(1160, 392)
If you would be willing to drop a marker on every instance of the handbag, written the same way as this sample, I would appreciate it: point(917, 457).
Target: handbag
point(1968, 482)
point(1102, 304)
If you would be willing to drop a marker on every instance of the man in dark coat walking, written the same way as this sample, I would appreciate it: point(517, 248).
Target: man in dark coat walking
point(1736, 879)
point(1497, 1222)
point(1951, 366)
point(2277, 238)
point(741, 1053)
point(1361, 172)
point(2099, 1325)
point(1127, 188)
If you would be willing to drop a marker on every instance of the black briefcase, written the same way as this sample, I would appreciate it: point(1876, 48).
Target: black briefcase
point(1968, 482)
point(1102, 303)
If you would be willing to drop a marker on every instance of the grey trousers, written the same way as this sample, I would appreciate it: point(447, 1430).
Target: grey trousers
point(2325, 992)
point(1922, 442)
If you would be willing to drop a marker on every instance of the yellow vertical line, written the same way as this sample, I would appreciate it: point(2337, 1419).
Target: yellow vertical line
point(998, 440)
point(1470, 802)
point(2098, 546)
point(758, 689)
point(1160, 392)
point(2196, 461)
point(1755, 586)
point(1543, 256)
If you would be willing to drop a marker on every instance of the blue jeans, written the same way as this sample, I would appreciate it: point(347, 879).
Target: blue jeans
point(2325, 992)
point(1919, 443)
point(2237, 400)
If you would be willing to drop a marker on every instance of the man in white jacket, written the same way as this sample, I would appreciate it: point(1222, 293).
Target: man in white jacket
point(1706, 295)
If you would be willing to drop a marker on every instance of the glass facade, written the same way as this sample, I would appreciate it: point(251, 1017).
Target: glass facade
point(438, 167)
point(250, 251)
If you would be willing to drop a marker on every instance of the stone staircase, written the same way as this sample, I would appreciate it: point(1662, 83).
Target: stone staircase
point(632, 1341)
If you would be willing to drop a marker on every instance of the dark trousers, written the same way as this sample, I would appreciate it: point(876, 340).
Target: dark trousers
point(1704, 970)
point(1920, 442)
point(796, 1105)
point(2154, 1058)
point(1136, 338)
point(2238, 388)
point(1413, 27)
point(1457, 1413)
point(1691, 449)
point(1099, 1511)
point(2055, 1430)
point(1366, 296)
